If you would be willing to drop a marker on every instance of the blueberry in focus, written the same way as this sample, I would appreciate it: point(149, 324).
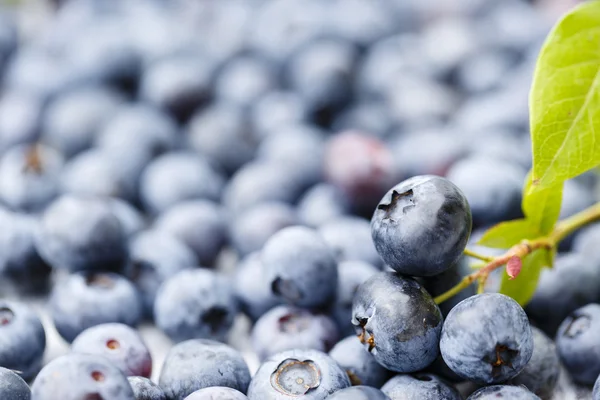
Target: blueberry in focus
point(195, 303)
point(182, 374)
point(397, 321)
point(487, 339)
point(81, 233)
point(422, 225)
point(596, 390)
point(12, 386)
point(216, 392)
point(287, 328)
point(420, 386)
point(361, 367)
point(304, 374)
point(120, 344)
point(300, 267)
point(145, 389)
point(578, 344)
point(503, 391)
point(81, 376)
point(85, 299)
point(22, 339)
point(359, 393)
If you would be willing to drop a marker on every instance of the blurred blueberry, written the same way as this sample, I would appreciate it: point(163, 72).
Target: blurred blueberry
point(81, 376)
point(254, 226)
point(178, 84)
point(9, 39)
point(155, 256)
point(403, 337)
point(350, 239)
point(420, 386)
point(120, 344)
point(309, 374)
point(300, 267)
point(145, 389)
point(74, 118)
point(20, 118)
point(22, 339)
point(195, 303)
point(586, 242)
point(182, 374)
point(200, 224)
point(251, 289)
point(351, 274)
point(243, 80)
point(492, 187)
point(277, 109)
point(216, 392)
point(487, 338)
point(176, 177)
point(500, 144)
point(12, 386)
point(359, 393)
point(321, 203)
point(578, 345)
point(130, 217)
point(287, 328)
point(503, 391)
point(484, 70)
point(85, 299)
point(573, 282)
point(576, 197)
point(372, 117)
point(81, 233)
point(222, 133)
point(359, 364)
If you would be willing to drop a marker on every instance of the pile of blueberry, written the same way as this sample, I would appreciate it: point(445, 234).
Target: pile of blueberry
point(197, 166)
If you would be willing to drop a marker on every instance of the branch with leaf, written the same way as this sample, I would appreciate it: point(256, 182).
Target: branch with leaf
point(564, 107)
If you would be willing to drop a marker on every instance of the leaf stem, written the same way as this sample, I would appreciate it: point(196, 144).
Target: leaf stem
point(523, 249)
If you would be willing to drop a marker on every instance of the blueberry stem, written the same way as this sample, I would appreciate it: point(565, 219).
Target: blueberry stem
point(523, 249)
point(478, 256)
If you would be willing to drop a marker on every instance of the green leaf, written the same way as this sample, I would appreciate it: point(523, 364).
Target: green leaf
point(564, 102)
point(542, 207)
point(506, 234)
point(523, 286)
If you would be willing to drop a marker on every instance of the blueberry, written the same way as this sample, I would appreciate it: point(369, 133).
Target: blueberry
point(200, 224)
point(578, 345)
point(12, 386)
point(572, 283)
point(397, 321)
point(178, 84)
point(178, 176)
point(321, 203)
point(420, 387)
point(85, 299)
point(217, 392)
point(120, 344)
point(22, 339)
point(492, 187)
point(221, 132)
point(252, 291)
point(287, 328)
point(145, 389)
point(195, 303)
point(586, 242)
point(596, 390)
point(277, 109)
point(541, 373)
point(487, 338)
point(443, 282)
point(350, 239)
point(361, 367)
point(182, 374)
point(29, 176)
point(243, 80)
point(73, 119)
point(350, 275)
point(155, 256)
point(300, 267)
point(20, 118)
point(309, 374)
point(369, 116)
point(130, 217)
point(484, 70)
point(254, 226)
point(9, 38)
point(503, 391)
point(422, 225)
point(81, 233)
point(81, 376)
point(359, 393)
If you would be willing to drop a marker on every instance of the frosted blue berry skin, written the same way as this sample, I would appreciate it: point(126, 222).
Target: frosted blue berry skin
point(359, 393)
point(420, 387)
point(487, 338)
point(422, 225)
point(503, 391)
point(12, 386)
